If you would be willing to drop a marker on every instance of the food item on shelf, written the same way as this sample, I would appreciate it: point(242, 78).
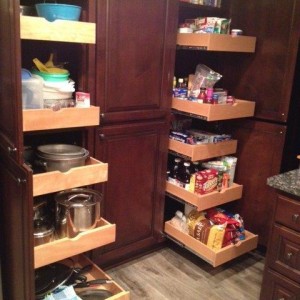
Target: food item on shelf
point(216, 236)
point(179, 221)
point(205, 181)
point(215, 227)
point(175, 172)
point(186, 175)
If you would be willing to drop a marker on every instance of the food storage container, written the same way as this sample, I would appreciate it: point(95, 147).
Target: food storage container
point(32, 92)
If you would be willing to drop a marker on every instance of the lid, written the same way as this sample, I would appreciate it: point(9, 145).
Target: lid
point(42, 228)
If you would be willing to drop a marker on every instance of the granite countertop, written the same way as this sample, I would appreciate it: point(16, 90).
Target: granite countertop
point(287, 182)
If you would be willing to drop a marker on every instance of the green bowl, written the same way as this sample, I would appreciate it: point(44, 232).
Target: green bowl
point(51, 76)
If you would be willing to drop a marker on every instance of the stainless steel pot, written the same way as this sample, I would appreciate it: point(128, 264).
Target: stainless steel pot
point(77, 210)
point(60, 164)
point(60, 151)
point(43, 232)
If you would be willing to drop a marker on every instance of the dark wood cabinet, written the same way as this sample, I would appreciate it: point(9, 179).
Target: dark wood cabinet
point(266, 77)
point(135, 58)
point(259, 154)
point(282, 269)
point(136, 155)
point(16, 236)
point(135, 54)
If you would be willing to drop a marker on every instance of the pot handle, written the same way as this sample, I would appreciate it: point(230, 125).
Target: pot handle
point(41, 163)
point(85, 196)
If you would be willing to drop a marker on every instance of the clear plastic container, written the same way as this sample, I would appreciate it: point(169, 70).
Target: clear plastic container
point(32, 92)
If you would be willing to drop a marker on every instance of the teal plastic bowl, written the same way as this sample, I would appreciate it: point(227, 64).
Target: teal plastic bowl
point(50, 76)
point(55, 11)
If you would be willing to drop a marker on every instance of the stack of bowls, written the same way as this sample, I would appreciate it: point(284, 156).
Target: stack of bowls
point(57, 89)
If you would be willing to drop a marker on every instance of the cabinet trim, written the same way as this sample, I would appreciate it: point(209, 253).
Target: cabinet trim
point(215, 112)
point(213, 257)
point(93, 172)
point(212, 199)
point(36, 28)
point(103, 234)
point(203, 151)
point(71, 117)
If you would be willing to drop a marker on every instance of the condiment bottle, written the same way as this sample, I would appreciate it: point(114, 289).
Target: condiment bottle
point(202, 95)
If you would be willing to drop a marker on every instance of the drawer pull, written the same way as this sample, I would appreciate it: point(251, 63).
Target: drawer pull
point(295, 218)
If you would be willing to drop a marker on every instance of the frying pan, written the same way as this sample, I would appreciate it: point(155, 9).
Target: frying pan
point(94, 294)
point(50, 277)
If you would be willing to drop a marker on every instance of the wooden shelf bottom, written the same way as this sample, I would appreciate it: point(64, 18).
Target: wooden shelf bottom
point(215, 258)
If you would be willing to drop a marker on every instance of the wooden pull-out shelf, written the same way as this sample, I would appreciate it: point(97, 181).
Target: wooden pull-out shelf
point(203, 202)
point(213, 257)
point(93, 172)
point(97, 273)
point(48, 253)
point(215, 112)
point(36, 28)
point(203, 151)
point(71, 117)
point(217, 42)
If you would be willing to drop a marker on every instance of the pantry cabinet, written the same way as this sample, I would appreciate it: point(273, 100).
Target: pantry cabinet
point(19, 183)
point(134, 71)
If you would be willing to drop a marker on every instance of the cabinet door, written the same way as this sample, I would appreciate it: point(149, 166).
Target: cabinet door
point(16, 234)
point(267, 76)
point(259, 152)
point(134, 193)
point(277, 287)
point(135, 58)
point(10, 79)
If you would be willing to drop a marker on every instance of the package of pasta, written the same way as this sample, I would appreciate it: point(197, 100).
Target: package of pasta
point(216, 237)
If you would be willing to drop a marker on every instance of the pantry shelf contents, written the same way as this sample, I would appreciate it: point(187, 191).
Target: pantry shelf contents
point(210, 183)
point(37, 28)
point(202, 202)
point(213, 257)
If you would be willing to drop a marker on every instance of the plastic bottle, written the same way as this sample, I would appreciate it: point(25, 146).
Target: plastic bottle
point(186, 175)
point(202, 95)
point(175, 174)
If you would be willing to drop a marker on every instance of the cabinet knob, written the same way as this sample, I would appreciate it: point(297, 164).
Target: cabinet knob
point(289, 255)
point(12, 150)
point(102, 116)
point(101, 136)
point(295, 218)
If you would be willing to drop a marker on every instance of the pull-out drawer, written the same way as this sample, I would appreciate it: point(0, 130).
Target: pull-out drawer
point(59, 249)
point(215, 112)
point(203, 151)
point(284, 255)
point(203, 202)
point(213, 257)
point(93, 172)
point(71, 117)
point(288, 212)
point(95, 273)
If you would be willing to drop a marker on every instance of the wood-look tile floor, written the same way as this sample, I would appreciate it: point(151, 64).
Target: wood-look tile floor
point(176, 274)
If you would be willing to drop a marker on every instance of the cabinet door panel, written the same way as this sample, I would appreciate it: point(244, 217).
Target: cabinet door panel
point(135, 182)
point(284, 252)
point(275, 286)
point(259, 152)
point(10, 75)
point(267, 76)
point(16, 231)
point(135, 58)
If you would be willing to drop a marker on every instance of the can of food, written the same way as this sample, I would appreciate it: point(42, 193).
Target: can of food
point(236, 32)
